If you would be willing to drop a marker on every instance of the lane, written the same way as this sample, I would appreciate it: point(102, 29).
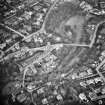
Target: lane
point(12, 30)
point(43, 26)
point(77, 45)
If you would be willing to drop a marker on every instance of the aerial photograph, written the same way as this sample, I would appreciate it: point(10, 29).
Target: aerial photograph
point(52, 52)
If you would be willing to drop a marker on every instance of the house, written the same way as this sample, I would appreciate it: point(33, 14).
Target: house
point(103, 90)
point(89, 72)
point(59, 97)
point(83, 97)
point(102, 4)
point(92, 95)
point(90, 81)
point(74, 76)
point(82, 74)
point(98, 79)
point(83, 84)
point(40, 91)
point(44, 101)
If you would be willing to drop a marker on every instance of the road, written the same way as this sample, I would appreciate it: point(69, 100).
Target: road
point(42, 30)
point(26, 37)
point(95, 33)
point(98, 68)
